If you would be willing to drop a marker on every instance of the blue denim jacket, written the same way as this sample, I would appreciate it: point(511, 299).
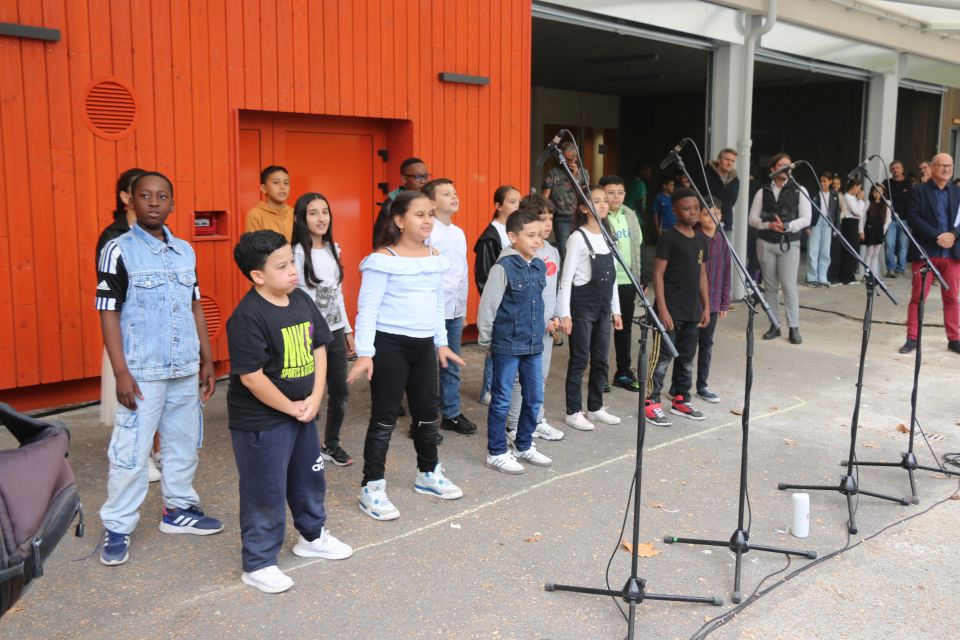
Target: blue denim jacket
point(156, 321)
point(519, 326)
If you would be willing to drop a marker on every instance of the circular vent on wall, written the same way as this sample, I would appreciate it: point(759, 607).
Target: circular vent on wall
point(211, 310)
point(110, 108)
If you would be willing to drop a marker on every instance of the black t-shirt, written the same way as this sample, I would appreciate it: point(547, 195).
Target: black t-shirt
point(900, 194)
point(279, 340)
point(681, 279)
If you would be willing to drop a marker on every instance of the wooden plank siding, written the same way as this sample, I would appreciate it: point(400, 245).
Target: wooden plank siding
point(194, 66)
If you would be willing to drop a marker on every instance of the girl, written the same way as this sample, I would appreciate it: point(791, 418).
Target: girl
point(875, 228)
point(851, 228)
point(586, 301)
point(401, 332)
point(320, 276)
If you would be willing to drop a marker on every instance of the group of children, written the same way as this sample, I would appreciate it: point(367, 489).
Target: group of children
point(290, 340)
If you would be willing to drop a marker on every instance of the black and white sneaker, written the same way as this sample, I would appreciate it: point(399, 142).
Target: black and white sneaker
point(336, 455)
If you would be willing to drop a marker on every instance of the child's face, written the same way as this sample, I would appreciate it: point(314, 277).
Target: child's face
point(825, 183)
point(276, 188)
point(318, 218)
point(615, 195)
point(415, 176)
point(279, 274)
point(152, 203)
point(836, 184)
point(417, 223)
point(511, 202)
point(528, 240)
point(546, 224)
point(706, 222)
point(668, 187)
point(600, 203)
point(687, 211)
point(445, 199)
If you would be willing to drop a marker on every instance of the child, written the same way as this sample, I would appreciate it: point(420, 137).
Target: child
point(156, 336)
point(629, 238)
point(510, 324)
point(401, 333)
point(875, 226)
point(277, 368)
point(718, 283)
point(449, 240)
point(586, 303)
point(851, 228)
point(274, 214)
point(683, 304)
point(551, 318)
point(487, 250)
point(321, 277)
point(413, 175)
point(819, 233)
point(663, 206)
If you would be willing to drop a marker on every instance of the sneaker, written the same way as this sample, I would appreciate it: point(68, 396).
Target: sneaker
point(602, 416)
point(269, 579)
point(890, 274)
point(578, 421)
point(606, 387)
point(434, 483)
point(708, 395)
point(153, 471)
point(532, 456)
point(336, 455)
point(460, 424)
point(546, 432)
point(655, 415)
point(375, 503)
point(627, 381)
point(326, 547)
point(954, 345)
point(504, 462)
point(189, 520)
point(683, 407)
point(115, 549)
point(909, 346)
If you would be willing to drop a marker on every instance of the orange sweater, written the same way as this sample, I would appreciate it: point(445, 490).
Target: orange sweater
point(265, 216)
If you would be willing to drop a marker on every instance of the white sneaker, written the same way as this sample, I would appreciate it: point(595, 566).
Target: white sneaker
point(375, 503)
point(505, 462)
point(153, 471)
point(326, 547)
point(603, 417)
point(532, 456)
point(434, 483)
point(269, 579)
point(578, 421)
point(547, 432)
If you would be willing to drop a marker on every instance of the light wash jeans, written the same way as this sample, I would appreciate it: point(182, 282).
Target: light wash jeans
point(896, 246)
point(513, 414)
point(818, 252)
point(171, 407)
point(450, 375)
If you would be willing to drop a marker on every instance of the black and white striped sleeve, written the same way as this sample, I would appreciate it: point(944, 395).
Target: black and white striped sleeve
point(111, 278)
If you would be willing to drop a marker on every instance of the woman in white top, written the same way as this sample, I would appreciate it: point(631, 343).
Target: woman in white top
point(851, 226)
point(401, 333)
point(587, 302)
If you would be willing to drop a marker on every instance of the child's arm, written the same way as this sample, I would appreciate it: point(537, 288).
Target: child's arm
point(570, 261)
point(310, 406)
point(704, 296)
point(267, 393)
point(489, 304)
point(127, 389)
point(372, 289)
point(208, 378)
point(659, 267)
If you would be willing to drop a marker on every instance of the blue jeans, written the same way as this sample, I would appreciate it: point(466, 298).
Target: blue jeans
point(171, 407)
point(505, 368)
point(818, 252)
point(896, 242)
point(487, 377)
point(516, 399)
point(450, 375)
point(562, 226)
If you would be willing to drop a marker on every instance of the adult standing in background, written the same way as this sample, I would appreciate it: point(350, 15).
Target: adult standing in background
point(723, 183)
point(896, 240)
point(558, 189)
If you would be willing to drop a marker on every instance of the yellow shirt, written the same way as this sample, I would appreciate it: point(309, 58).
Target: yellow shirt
point(265, 216)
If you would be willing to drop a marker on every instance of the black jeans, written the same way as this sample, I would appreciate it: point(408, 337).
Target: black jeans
point(622, 343)
point(402, 364)
point(850, 229)
point(684, 336)
point(705, 352)
point(337, 392)
point(589, 341)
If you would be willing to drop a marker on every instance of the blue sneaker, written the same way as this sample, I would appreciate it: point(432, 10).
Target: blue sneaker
point(189, 520)
point(115, 549)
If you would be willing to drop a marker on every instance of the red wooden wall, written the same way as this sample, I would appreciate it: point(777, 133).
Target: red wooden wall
point(192, 66)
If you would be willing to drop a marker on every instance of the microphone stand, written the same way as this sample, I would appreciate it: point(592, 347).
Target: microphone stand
point(908, 460)
point(739, 543)
point(848, 484)
point(633, 591)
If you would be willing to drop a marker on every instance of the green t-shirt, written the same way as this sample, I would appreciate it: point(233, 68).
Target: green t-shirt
point(621, 232)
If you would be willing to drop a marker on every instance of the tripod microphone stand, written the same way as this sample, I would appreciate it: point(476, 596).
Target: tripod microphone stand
point(634, 589)
point(908, 459)
point(739, 543)
point(848, 484)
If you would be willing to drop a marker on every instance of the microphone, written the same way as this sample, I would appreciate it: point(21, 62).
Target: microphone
point(673, 154)
point(550, 150)
point(782, 170)
point(858, 170)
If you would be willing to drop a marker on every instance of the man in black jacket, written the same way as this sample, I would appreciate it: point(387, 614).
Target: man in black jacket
point(819, 233)
point(724, 184)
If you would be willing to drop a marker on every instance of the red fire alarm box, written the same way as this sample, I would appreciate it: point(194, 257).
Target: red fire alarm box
point(206, 223)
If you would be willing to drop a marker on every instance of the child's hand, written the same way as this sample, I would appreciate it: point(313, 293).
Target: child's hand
point(704, 319)
point(308, 409)
point(722, 314)
point(617, 322)
point(666, 319)
point(566, 325)
point(295, 410)
point(128, 391)
point(862, 237)
point(351, 345)
point(553, 325)
point(208, 381)
point(447, 355)
point(362, 368)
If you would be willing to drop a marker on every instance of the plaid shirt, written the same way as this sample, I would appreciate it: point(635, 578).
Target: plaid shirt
point(718, 272)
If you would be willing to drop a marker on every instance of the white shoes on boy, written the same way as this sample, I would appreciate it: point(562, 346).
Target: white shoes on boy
point(603, 417)
point(547, 432)
point(578, 421)
point(326, 547)
point(434, 483)
point(505, 463)
point(375, 503)
point(532, 456)
point(269, 579)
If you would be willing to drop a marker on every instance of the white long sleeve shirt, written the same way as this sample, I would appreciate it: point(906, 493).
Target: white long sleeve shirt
point(577, 270)
point(451, 242)
point(856, 208)
point(804, 211)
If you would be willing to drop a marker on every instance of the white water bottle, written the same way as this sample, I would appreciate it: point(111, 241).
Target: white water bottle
point(800, 524)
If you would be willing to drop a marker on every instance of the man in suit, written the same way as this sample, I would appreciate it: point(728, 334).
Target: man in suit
point(819, 232)
point(934, 218)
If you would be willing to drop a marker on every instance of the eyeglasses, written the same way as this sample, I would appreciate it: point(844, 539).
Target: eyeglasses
point(419, 177)
point(942, 166)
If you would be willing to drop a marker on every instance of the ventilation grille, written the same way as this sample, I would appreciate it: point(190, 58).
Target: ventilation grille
point(211, 309)
point(110, 109)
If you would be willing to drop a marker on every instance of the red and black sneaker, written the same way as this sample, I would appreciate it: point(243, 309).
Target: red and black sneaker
point(683, 407)
point(655, 415)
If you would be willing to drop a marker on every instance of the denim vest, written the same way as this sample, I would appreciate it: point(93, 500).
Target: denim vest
point(156, 321)
point(519, 326)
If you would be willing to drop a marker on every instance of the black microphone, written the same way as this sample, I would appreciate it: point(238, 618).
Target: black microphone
point(550, 150)
point(787, 169)
point(673, 154)
point(858, 170)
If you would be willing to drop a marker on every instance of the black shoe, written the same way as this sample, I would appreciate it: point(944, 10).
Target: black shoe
point(909, 346)
point(771, 333)
point(954, 345)
point(891, 275)
point(606, 387)
point(460, 424)
point(795, 336)
point(336, 455)
point(627, 381)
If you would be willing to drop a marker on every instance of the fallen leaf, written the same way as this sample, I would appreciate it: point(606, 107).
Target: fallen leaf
point(655, 505)
point(870, 445)
point(537, 537)
point(644, 549)
point(789, 442)
point(736, 412)
point(487, 586)
point(626, 545)
point(955, 497)
point(902, 428)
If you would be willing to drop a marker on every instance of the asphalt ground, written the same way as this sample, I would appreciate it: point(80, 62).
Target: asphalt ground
point(475, 567)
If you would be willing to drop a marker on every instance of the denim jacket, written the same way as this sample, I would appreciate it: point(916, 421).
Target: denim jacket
point(156, 321)
point(513, 299)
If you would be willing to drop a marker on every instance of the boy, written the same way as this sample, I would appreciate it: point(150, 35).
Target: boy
point(629, 240)
point(156, 338)
point(278, 367)
point(413, 175)
point(683, 304)
point(510, 322)
point(718, 283)
point(663, 206)
point(274, 214)
point(450, 241)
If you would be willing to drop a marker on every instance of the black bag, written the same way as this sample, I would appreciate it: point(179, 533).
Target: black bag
point(38, 500)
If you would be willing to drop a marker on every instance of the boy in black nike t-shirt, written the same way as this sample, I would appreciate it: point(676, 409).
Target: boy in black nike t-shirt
point(278, 367)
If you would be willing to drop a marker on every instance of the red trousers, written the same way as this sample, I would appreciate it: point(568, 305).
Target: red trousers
point(950, 270)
